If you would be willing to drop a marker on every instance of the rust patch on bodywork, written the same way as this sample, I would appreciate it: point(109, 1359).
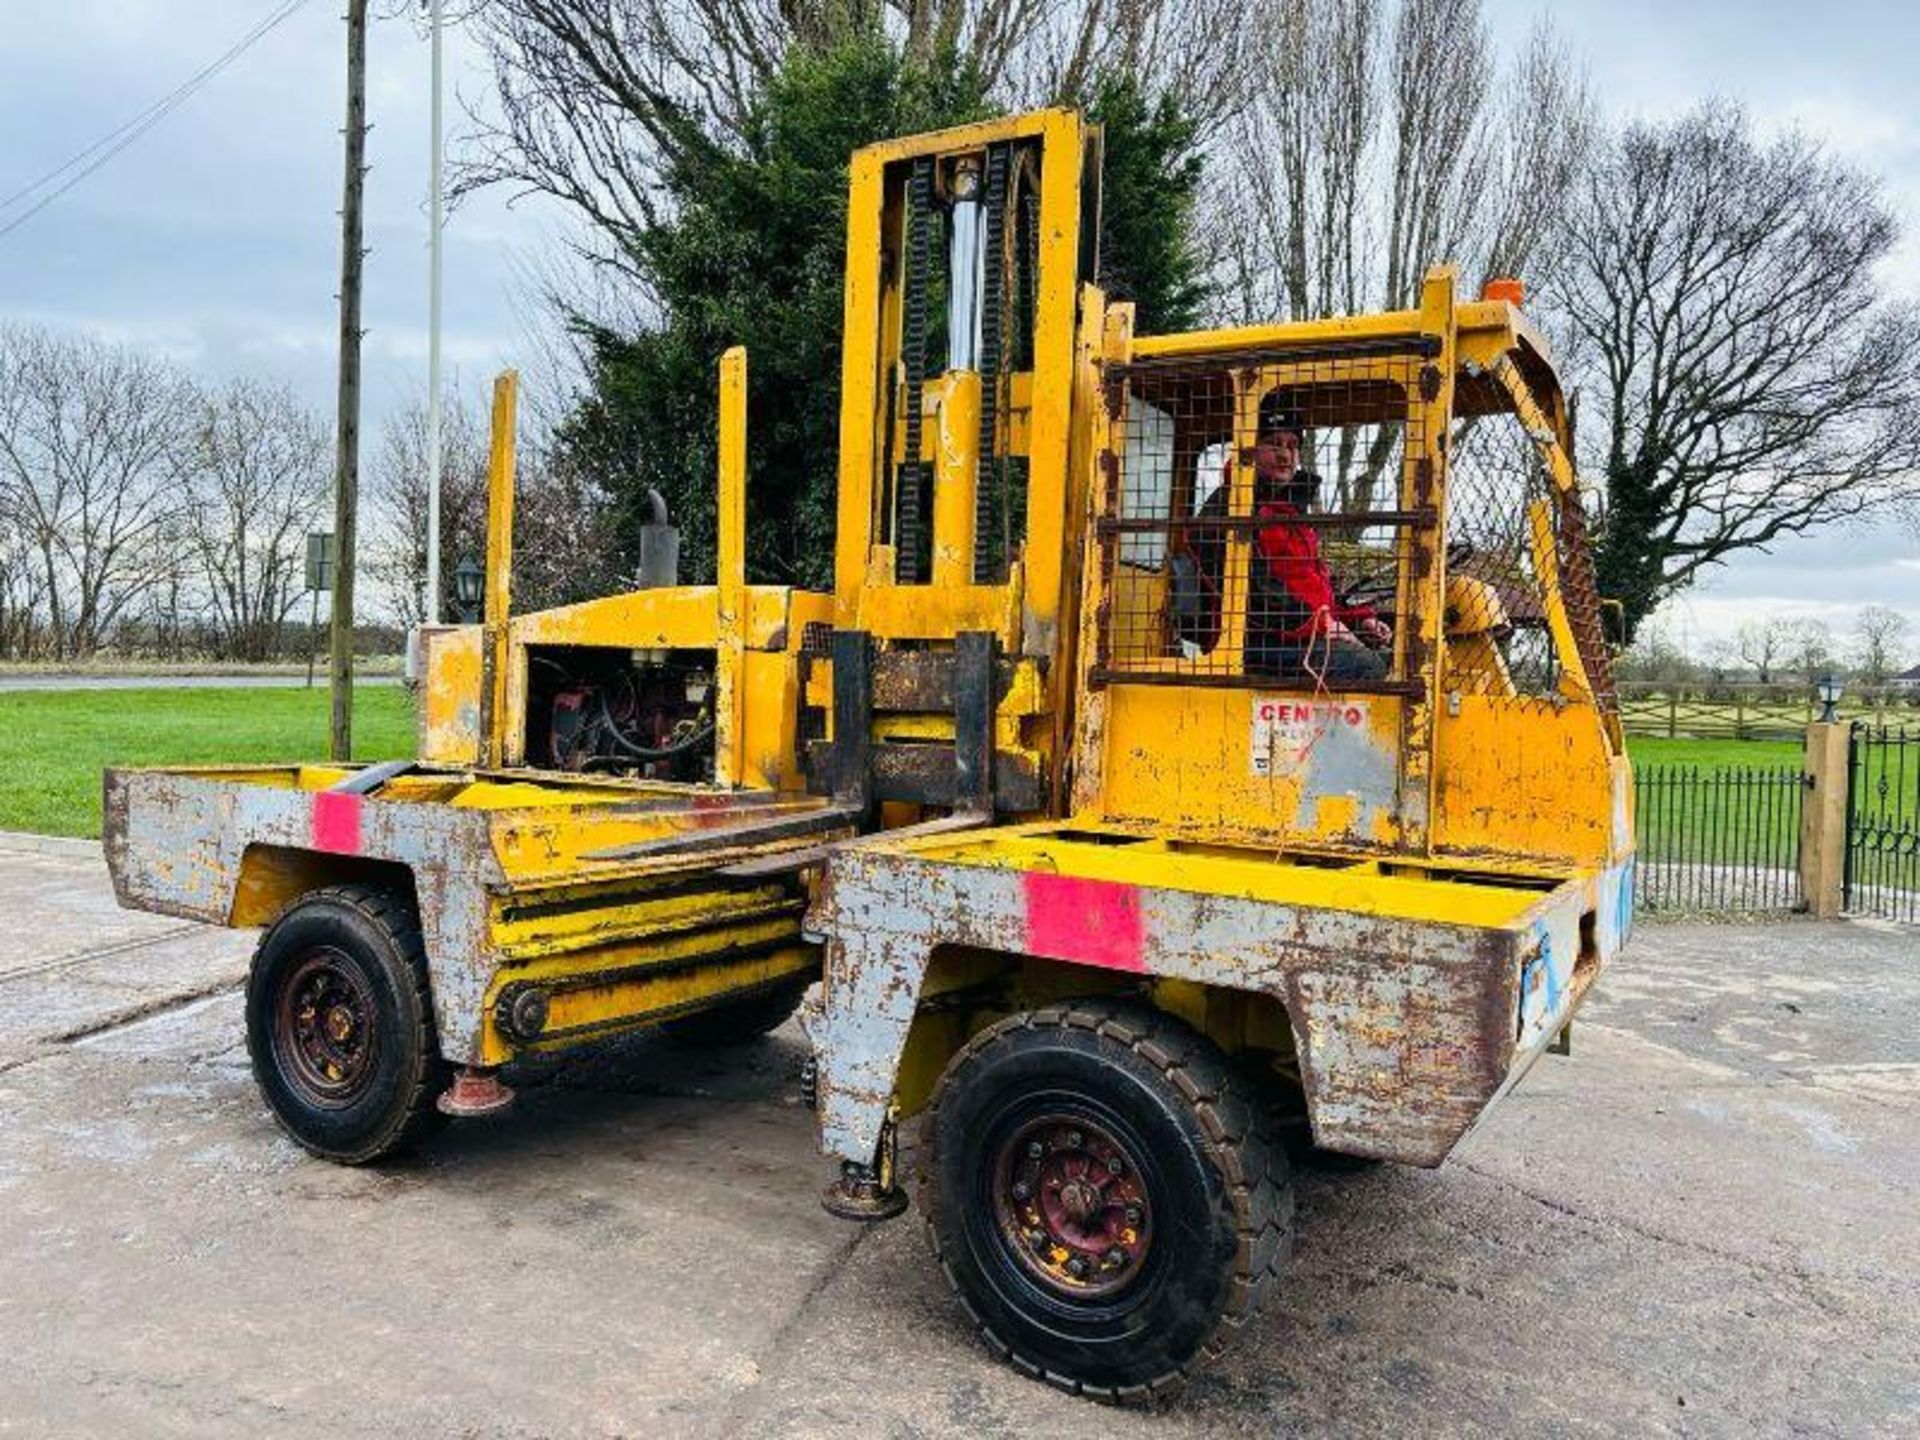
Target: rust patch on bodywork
point(502, 874)
point(1404, 1024)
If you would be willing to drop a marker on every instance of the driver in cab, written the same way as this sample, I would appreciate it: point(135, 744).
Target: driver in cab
point(1297, 624)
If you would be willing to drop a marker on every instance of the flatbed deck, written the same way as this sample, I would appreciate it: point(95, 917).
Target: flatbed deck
point(584, 889)
point(1417, 992)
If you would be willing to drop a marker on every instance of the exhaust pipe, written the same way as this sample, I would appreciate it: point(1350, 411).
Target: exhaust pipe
point(659, 547)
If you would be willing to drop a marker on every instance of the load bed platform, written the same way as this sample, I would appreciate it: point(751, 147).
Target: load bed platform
point(605, 899)
point(1417, 991)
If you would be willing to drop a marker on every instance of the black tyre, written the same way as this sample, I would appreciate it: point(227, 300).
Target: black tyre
point(340, 1025)
point(1104, 1195)
point(735, 1022)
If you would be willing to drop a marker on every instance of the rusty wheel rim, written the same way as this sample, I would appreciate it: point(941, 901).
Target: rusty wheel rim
point(1072, 1206)
point(324, 1029)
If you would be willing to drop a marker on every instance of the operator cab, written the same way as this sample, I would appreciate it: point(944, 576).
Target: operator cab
point(1363, 539)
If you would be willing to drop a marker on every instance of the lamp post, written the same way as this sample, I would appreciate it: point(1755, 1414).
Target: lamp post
point(469, 584)
point(1828, 689)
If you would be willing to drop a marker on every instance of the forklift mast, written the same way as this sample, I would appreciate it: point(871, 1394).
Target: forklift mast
point(961, 476)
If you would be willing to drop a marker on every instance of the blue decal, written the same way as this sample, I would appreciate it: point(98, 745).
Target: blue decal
point(1554, 991)
point(1553, 981)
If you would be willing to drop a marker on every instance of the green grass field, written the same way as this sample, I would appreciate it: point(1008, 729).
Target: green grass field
point(1714, 754)
point(54, 744)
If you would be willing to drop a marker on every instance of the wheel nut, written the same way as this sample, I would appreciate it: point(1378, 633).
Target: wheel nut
point(1035, 1149)
point(1077, 1268)
point(1116, 1257)
point(1075, 1139)
point(1133, 1214)
point(1037, 1239)
point(1115, 1165)
point(1022, 1190)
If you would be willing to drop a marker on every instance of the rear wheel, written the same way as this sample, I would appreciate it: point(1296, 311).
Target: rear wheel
point(1104, 1195)
point(735, 1022)
point(340, 1024)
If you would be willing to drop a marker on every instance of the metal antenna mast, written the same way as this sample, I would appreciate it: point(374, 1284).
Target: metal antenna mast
point(436, 212)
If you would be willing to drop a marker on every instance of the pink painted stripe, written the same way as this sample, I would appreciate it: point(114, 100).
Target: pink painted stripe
point(1091, 922)
point(336, 823)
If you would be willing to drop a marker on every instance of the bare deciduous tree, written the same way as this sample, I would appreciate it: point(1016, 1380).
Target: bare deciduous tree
point(563, 550)
point(1035, 53)
point(22, 591)
point(262, 479)
point(1809, 650)
point(396, 557)
point(95, 445)
point(1879, 635)
point(168, 621)
point(596, 98)
point(1762, 644)
point(1752, 378)
point(1379, 137)
point(1656, 657)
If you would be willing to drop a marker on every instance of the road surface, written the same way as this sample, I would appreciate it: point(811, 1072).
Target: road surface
point(1704, 1222)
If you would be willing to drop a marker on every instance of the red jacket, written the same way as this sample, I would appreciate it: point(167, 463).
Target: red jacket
point(1292, 557)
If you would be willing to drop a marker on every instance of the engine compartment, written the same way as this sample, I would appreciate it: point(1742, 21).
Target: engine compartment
point(644, 713)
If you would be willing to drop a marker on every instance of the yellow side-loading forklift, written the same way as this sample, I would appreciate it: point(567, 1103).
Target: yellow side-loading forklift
point(1292, 790)
point(1207, 754)
point(545, 874)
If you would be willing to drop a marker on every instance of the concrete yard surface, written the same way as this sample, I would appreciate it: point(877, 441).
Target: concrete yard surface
point(1704, 1222)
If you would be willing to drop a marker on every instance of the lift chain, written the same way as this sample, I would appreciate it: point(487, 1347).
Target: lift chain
point(1026, 245)
point(989, 486)
point(1027, 261)
point(912, 528)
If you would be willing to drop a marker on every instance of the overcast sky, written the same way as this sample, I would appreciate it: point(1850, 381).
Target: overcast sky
point(215, 237)
point(1841, 70)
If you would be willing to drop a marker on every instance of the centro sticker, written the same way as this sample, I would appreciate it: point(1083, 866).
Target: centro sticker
point(1285, 731)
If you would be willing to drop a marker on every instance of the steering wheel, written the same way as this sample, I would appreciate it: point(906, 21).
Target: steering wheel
point(1380, 594)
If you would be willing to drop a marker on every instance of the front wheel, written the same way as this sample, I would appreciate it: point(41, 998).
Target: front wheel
point(340, 1025)
point(1104, 1194)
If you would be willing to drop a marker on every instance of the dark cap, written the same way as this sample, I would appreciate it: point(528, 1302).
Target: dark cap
point(1277, 412)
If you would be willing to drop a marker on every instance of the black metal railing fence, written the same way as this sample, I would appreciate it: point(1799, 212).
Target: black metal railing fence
point(1718, 840)
point(1882, 875)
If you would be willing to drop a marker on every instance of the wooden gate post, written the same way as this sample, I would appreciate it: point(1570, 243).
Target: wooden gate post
point(1823, 819)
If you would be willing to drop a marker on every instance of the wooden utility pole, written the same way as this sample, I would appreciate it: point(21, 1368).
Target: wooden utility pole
point(346, 477)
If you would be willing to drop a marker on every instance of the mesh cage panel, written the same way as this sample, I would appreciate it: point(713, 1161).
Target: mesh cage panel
point(1498, 634)
point(1232, 552)
point(1255, 525)
point(1582, 597)
point(1516, 551)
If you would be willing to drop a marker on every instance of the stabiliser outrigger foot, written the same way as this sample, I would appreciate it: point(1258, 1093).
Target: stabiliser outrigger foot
point(473, 1093)
point(867, 1192)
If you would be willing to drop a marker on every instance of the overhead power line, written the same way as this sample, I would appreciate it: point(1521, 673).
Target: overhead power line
point(79, 166)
